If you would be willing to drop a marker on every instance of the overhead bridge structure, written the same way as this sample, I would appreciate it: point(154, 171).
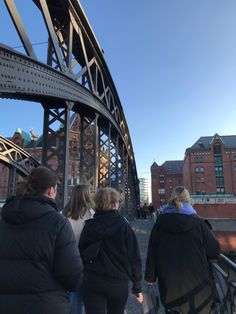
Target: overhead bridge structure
point(73, 79)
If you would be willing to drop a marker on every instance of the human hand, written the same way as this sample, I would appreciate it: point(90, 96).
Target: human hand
point(139, 297)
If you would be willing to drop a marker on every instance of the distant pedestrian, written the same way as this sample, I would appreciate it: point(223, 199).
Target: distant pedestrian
point(151, 211)
point(179, 248)
point(111, 257)
point(145, 211)
point(78, 210)
point(39, 258)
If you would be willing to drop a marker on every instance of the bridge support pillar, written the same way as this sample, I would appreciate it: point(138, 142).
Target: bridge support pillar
point(55, 151)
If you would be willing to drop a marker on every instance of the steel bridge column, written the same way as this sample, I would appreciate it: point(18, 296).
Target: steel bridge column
point(88, 159)
point(114, 153)
point(104, 156)
point(55, 150)
point(121, 176)
point(133, 193)
point(11, 181)
point(126, 183)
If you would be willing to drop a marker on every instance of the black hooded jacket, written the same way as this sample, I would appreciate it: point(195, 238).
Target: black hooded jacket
point(178, 252)
point(118, 259)
point(39, 260)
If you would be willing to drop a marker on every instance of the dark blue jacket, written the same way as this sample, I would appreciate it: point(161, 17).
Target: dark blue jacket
point(39, 260)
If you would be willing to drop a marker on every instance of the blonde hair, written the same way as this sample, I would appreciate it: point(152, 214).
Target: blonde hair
point(179, 196)
point(106, 198)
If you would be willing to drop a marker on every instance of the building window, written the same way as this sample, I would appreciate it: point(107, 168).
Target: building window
point(219, 182)
point(217, 149)
point(234, 158)
point(162, 185)
point(218, 171)
point(199, 159)
point(220, 185)
point(234, 169)
point(199, 169)
point(218, 160)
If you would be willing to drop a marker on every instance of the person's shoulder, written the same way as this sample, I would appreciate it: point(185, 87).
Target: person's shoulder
point(58, 217)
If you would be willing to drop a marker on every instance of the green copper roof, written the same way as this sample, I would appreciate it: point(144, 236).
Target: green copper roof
point(26, 136)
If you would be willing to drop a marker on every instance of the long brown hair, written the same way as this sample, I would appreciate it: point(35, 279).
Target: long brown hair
point(37, 182)
point(79, 203)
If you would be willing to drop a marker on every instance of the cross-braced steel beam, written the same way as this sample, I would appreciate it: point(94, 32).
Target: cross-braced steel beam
point(74, 78)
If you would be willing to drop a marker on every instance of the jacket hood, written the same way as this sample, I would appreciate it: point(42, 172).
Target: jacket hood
point(175, 223)
point(22, 210)
point(104, 224)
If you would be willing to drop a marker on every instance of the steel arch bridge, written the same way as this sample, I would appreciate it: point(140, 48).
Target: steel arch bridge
point(75, 79)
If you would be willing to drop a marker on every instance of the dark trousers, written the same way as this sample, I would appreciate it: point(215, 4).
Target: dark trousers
point(101, 296)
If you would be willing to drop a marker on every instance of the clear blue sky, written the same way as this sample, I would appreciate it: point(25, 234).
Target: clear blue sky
point(173, 63)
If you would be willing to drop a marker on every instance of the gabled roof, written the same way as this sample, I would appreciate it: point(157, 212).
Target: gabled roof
point(173, 166)
point(154, 166)
point(204, 142)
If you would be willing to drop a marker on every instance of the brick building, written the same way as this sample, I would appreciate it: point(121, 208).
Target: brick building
point(208, 171)
point(164, 179)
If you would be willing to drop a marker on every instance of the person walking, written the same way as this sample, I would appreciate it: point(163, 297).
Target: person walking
point(180, 245)
point(39, 258)
point(145, 211)
point(151, 211)
point(111, 257)
point(78, 210)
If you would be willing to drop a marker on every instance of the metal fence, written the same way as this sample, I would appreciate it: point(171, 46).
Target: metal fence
point(224, 273)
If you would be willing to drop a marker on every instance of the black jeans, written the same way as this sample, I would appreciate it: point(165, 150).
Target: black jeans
point(101, 296)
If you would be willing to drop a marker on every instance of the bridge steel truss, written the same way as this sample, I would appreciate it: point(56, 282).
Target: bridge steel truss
point(75, 79)
point(17, 160)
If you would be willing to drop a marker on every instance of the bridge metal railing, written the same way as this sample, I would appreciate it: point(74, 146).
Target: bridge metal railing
point(224, 273)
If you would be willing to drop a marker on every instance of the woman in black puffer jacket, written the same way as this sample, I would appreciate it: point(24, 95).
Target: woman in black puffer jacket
point(111, 257)
point(39, 260)
point(180, 246)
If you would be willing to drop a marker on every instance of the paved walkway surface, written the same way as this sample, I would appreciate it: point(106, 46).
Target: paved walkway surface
point(142, 229)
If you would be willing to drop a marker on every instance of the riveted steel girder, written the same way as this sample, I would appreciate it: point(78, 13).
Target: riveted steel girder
point(75, 78)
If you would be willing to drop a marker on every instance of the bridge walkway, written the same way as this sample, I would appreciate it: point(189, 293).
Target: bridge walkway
point(142, 229)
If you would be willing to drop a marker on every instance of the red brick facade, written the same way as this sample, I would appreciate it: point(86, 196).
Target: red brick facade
point(164, 179)
point(208, 172)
